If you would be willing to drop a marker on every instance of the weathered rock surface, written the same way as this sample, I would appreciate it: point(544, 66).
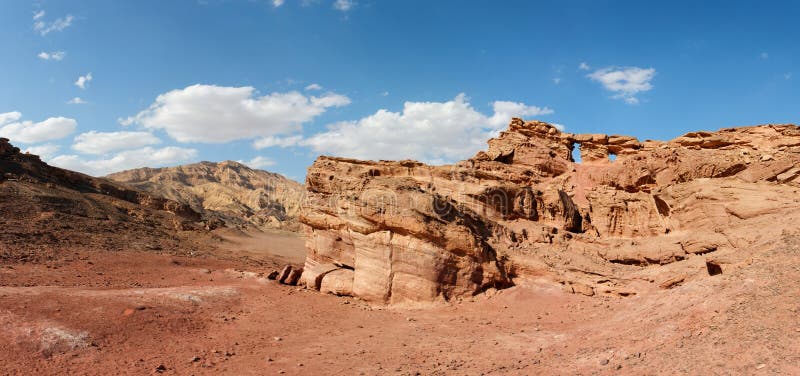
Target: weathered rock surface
point(230, 191)
point(523, 209)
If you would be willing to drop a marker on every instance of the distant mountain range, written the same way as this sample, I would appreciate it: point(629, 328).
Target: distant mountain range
point(229, 191)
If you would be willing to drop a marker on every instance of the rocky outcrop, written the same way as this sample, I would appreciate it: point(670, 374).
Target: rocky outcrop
point(631, 216)
point(230, 191)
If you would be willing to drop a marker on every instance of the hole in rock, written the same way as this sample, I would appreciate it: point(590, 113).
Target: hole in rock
point(576, 153)
point(713, 268)
point(612, 157)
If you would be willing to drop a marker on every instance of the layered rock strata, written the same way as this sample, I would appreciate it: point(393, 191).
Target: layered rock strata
point(632, 215)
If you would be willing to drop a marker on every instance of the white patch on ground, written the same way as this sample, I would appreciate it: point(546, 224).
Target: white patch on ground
point(55, 339)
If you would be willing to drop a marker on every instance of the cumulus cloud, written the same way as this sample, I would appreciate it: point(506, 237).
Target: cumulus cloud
point(625, 82)
point(55, 55)
point(43, 27)
point(76, 100)
point(83, 80)
point(344, 5)
point(584, 66)
point(97, 143)
point(284, 142)
point(126, 160)
point(434, 132)
point(764, 56)
point(277, 3)
point(45, 151)
point(28, 132)
point(313, 87)
point(504, 111)
point(217, 114)
point(259, 162)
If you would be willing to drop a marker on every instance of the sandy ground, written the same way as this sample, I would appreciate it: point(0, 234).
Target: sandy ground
point(145, 313)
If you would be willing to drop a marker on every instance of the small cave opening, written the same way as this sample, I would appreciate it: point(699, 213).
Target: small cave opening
point(576, 153)
point(713, 268)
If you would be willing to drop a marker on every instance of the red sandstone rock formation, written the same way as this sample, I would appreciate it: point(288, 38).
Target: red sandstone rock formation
point(659, 214)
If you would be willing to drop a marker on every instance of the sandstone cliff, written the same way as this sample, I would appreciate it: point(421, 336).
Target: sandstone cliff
point(46, 211)
point(632, 216)
point(230, 191)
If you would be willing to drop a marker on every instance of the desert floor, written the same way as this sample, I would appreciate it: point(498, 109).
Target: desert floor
point(145, 313)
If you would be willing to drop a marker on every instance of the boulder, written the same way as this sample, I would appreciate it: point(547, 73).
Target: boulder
point(338, 282)
point(284, 275)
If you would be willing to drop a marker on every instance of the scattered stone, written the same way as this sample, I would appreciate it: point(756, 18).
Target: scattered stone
point(194, 359)
point(604, 362)
point(760, 366)
point(285, 274)
point(161, 368)
point(294, 277)
point(277, 339)
point(273, 275)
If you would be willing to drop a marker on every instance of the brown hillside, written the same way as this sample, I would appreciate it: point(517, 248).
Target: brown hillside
point(46, 212)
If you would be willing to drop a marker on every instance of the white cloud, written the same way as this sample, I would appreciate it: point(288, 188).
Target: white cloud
point(217, 114)
point(8, 117)
point(277, 3)
point(560, 127)
point(764, 56)
point(584, 66)
point(76, 100)
point(430, 131)
point(385, 94)
point(787, 76)
point(94, 142)
point(43, 27)
point(28, 132)
point(313, 87)
point(344, 5)
point(557, 80)
point(56, 55)
point(45, 151)
point(284, 142)
point(259, 162)
point(626, 82)
point(126, 160)
point(504, 111)
point(83, 80)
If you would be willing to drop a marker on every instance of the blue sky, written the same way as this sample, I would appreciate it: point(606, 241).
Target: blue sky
point(275, 84)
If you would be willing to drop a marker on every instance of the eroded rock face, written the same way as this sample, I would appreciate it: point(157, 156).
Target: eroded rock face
point(408, 232)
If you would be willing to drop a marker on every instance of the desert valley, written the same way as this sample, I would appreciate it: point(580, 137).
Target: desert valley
point(516, 261)
point(359, 187)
